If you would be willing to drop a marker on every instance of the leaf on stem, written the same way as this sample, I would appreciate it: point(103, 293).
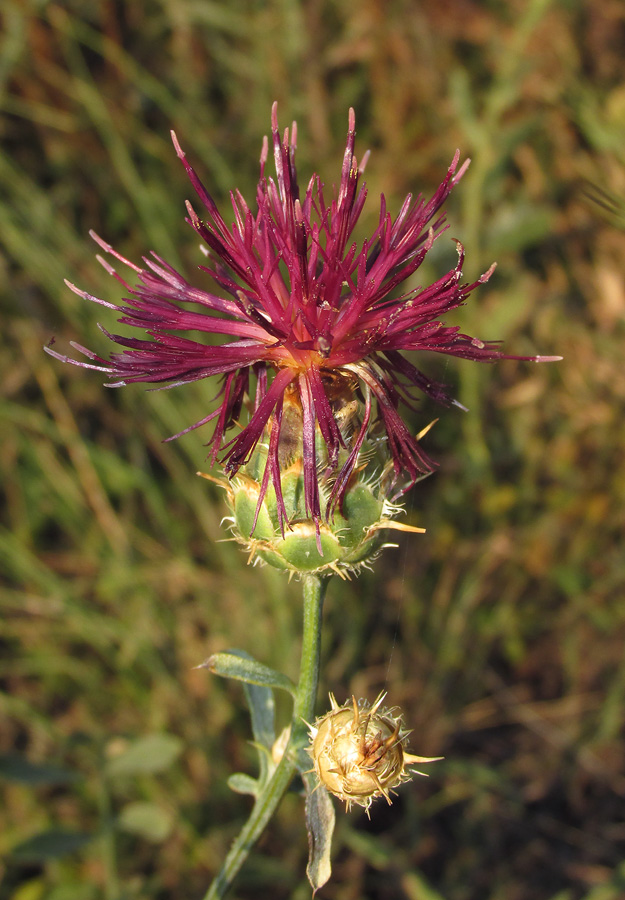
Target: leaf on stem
point(262, 706)
point(262, 711)
point(241, 783)
point(320, 827)
point(239, 665)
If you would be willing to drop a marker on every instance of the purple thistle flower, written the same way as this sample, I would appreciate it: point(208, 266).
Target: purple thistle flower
point(305, 310)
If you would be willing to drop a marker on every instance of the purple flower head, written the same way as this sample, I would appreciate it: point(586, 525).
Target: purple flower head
point(308, 316)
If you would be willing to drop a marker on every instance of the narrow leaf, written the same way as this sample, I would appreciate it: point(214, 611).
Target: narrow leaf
point(262, 710)
point(261, 703)
point(241, 783)
point(320, 827)
point(239, 665)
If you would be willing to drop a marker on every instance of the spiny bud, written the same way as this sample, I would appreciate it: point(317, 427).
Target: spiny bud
point(358, 751)
point(349, 534)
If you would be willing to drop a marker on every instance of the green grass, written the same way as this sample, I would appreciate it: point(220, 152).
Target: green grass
point(500, 631)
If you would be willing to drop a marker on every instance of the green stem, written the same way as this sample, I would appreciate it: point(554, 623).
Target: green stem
point(303, 711)
point(314, 592)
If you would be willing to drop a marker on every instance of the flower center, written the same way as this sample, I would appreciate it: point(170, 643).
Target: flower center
point(302, 359)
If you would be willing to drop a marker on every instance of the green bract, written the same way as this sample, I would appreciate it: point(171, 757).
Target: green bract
point(349, 537)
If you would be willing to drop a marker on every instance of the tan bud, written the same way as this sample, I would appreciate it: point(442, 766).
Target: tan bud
point(358, 751)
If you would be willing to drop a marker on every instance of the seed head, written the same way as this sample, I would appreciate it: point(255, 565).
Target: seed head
point(358, 751)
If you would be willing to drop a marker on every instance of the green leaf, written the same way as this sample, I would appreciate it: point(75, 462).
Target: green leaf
point(49, 845)
point(262, 707)
point(239, 665)
point(262, 711)
point(320, 827)
point(241, 783)
point(148, 820)
point(17, 768)
point(146, 755)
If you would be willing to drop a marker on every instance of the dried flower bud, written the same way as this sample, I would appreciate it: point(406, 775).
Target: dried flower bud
point(358, 751)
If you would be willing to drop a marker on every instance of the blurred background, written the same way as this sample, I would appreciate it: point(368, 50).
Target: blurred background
point(500, 632)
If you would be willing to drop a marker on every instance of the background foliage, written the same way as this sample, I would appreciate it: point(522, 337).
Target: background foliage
point(500, 631)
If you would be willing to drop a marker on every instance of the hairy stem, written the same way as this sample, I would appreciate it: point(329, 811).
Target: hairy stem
point(303, 710)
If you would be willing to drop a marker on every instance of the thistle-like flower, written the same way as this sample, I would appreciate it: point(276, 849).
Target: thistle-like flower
point(358, 751)
point(307, 313)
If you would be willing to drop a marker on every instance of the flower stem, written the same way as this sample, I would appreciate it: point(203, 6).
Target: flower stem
point(303, 710)
point(264, 808)
point(314, 593)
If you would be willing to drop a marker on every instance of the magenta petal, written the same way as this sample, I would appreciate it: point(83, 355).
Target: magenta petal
point(297, 305)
